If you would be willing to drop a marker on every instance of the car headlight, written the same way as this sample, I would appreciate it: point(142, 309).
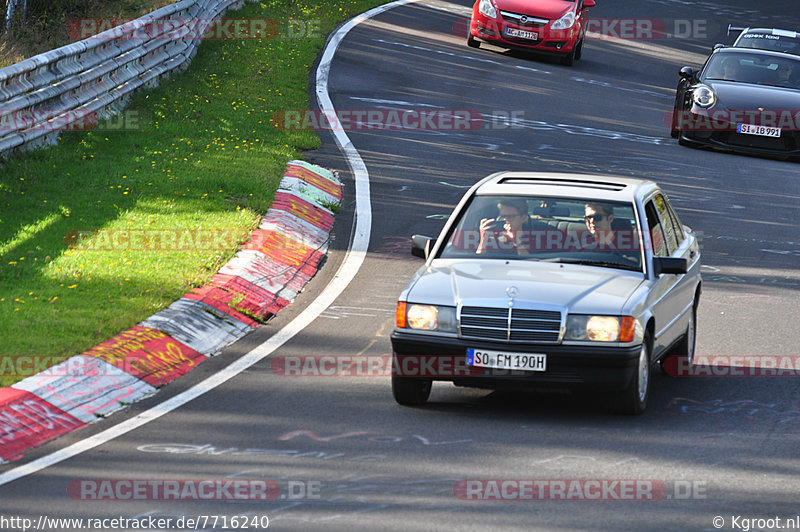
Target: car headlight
point(487, 9)
point(704, 96)
point(600, 328)
point(565, 22)
point(426, 317)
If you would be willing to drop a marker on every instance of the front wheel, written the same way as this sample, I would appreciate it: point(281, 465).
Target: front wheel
point(673, 130)
point(683, 358)
point(569, 59)
point(411, 391)
point(472, 42)
point(579, 51)
point(633, 400)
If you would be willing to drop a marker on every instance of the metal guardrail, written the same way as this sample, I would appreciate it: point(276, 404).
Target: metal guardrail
point(51, 92)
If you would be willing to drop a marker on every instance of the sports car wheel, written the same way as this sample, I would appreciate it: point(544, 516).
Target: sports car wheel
point(634, 399)
point(411, 391)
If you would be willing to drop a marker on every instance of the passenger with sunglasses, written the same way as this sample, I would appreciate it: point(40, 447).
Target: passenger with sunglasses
point(599, 223)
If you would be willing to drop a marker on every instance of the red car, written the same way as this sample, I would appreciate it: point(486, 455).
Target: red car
point(546, 26)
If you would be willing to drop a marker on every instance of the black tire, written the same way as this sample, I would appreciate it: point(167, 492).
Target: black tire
point(411, 391)
point(683, 356)
point(569, 59)
point(579, 52)
point(686, 348)
point(633, 400)
point(673, 130)
point(472, 42)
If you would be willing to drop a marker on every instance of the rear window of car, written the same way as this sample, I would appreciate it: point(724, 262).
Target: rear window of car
point(549, 228)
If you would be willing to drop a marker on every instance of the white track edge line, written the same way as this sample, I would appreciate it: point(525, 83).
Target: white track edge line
point(344, 275)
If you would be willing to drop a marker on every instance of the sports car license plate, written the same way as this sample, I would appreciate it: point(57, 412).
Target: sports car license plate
point(498, 359)
point(521, 34)
point(762, 131)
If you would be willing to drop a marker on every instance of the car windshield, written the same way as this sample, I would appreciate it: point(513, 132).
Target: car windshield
point(553, 229)
point(786, 42)
point(762, 69)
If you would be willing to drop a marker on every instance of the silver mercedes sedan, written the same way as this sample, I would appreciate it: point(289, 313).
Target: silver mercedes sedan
point(543, 280)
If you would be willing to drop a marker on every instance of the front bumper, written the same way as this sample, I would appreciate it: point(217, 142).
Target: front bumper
point(698, 129)
point(559, 42)
point(604, 368)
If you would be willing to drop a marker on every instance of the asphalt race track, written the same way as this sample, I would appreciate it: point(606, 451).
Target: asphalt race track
point(335, 452)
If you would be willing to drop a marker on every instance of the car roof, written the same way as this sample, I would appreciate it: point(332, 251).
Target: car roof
point(756, 51)
point(790, 37)
point(580, 186)
point(770, 31)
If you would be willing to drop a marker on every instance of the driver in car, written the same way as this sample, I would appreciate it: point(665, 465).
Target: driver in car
point(784, 76)
point(511, 231)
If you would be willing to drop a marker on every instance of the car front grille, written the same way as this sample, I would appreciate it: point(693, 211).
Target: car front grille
point(510, 324)
point(516, 18)
point(522, 42)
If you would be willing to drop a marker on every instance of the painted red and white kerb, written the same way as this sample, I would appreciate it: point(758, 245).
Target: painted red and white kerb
point(273, 267)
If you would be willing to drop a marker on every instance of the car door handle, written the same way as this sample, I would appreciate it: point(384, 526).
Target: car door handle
point(691, 254)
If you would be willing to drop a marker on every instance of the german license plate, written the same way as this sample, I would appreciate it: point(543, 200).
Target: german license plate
point(503, 360)
point(521, 34)
point(762, 131)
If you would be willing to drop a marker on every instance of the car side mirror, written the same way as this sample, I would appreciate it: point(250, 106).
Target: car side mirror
point(718, 46)
point(686, 72)
point(676, 265)
point(588, 3)
point(421, 246)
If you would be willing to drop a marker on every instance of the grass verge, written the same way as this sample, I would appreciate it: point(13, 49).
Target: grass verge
point(200, 153)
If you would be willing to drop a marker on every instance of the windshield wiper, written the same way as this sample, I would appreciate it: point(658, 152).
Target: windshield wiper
point(602, 263)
